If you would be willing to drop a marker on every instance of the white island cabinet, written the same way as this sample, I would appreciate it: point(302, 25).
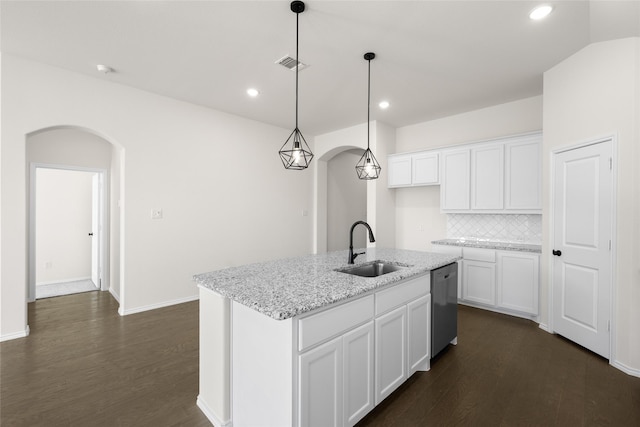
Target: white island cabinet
point(328, 367)
point(278, 351)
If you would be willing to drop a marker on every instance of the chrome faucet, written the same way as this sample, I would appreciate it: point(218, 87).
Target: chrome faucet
point(372, 239)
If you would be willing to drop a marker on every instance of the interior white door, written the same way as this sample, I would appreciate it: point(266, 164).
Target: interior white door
point(582, 263)
point(96, 229)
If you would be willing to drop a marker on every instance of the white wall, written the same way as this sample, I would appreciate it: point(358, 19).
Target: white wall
point(418, 217)
point(216, 176)
point(592, 94)
point(63, 221)
point(346, 201)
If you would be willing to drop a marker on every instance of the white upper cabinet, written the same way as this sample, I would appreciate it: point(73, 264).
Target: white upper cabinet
point(523, 173)
point(425, 169)
point(487, 177)
point(454, 192)
point(413, 169)
point(500, 176)
point(399, 174)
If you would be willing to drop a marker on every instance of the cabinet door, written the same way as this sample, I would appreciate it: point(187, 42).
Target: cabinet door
point(518, 281)
point(487, 177)
point(425, 169)
point(391, 357)
point(358, 373)
point(320, 385)
point(523, 174)
point(418, 331)
point(399, 174)
point(454, 193)
point(479, 282)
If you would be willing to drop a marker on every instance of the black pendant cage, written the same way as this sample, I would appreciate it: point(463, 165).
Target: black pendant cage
point(295, 152)
point(368, 167)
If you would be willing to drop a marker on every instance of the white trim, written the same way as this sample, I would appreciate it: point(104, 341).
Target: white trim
point(612, 137)
point(149, 307)
point(211, 415)
point(114, 295)
point(15, 335)
point(72, 279)
point(545, 327)
point(626, 369)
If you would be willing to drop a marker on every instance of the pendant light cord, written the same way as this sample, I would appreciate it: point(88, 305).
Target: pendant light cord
point(297, 67)
point(368, 101)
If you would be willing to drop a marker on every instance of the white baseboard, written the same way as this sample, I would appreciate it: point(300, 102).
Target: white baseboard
point(15, 335)
point(55, 282)
point(624, 368)
point(114, 295)
point(211, 415)
point(498, 310)
point(124, 312)
point(545, 327)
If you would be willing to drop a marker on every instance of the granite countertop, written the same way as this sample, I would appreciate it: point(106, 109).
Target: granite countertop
point(490, 244)
point(285, 288)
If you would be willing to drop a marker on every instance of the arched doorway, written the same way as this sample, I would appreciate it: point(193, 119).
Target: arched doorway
point(76, 149)
point(346, 200)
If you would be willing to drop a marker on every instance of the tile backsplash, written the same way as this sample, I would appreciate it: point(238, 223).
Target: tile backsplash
point(508, 228)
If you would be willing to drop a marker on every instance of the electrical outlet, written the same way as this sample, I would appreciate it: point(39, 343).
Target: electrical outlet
point(156, 213)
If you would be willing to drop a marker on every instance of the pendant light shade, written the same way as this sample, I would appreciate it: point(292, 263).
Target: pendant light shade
point(295, 152)
point(368, 167)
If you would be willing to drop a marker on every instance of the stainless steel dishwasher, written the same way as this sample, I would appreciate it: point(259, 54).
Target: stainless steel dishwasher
point(444, 307)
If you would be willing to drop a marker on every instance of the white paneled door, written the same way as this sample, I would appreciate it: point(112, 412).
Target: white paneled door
point(582, 261)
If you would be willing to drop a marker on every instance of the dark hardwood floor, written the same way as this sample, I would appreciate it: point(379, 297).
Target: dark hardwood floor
point(84, 365)
point(506, 371)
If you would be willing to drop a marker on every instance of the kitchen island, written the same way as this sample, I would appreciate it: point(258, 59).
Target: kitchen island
point(300, 342)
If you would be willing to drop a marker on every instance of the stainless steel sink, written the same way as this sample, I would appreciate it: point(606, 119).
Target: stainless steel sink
point(372, 269)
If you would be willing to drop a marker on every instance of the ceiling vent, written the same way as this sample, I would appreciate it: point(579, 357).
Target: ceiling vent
point(290, 63)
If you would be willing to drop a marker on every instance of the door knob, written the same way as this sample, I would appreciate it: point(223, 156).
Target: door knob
point(556, 253)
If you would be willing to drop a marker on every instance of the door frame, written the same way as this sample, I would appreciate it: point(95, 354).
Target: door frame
point(103, 219)
point(612, 137)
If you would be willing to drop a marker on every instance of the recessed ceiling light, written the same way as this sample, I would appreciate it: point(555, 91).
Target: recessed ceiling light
point(253, 92)
point(384, 105)
point(104, 68)
point(540, 12)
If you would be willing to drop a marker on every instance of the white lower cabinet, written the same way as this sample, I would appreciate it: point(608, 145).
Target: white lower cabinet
point(320, 385)
point(418, 330)
point(391, 358)
point(336, 380)
point(505, 281)
point(518, 281)
point(358, 373)
point(342, 378)
point(479, 282)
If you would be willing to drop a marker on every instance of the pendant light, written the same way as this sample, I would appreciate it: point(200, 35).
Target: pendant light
point(295, 152)
point(368, 167)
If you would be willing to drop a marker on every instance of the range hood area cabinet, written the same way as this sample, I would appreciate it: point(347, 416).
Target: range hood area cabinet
point(501, 176)
point(413, 169)
point(495, 176)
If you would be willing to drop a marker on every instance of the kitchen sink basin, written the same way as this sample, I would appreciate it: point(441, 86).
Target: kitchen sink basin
point(372, 269)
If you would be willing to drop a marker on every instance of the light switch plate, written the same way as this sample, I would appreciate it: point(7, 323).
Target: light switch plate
point(156, 213)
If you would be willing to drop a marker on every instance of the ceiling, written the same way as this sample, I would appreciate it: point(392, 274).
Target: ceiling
point(433, 58)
